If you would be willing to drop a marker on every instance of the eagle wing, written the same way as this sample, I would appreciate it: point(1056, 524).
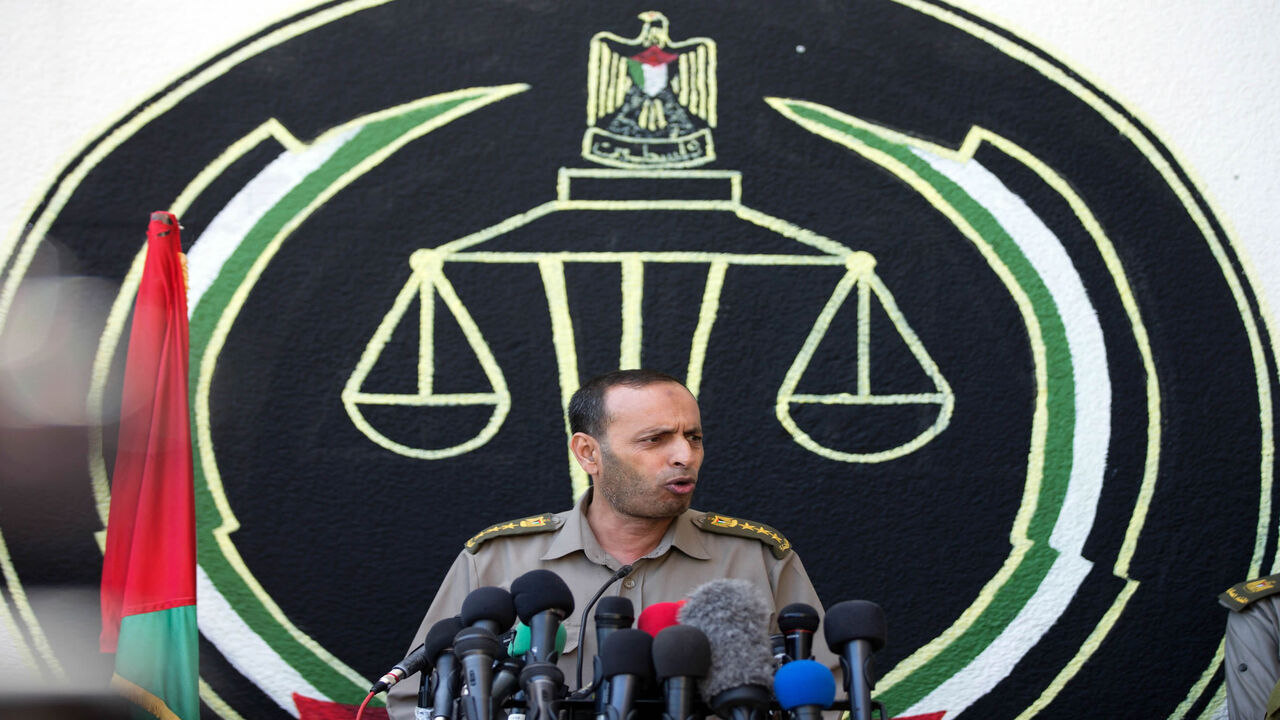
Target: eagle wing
point(695, 82)
point(607, 76)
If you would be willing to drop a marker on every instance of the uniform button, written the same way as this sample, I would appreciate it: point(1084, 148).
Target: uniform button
point(629, 583)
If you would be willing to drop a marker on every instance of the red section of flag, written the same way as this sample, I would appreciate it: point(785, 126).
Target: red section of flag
point(654, 55)
point(312, 709)
point(926, 716)
point(150, 556)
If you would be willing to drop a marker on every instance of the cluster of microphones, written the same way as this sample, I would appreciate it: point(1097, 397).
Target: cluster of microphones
point(709, 653)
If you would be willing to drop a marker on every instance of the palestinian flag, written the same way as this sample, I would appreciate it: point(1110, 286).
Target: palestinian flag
point(148, 572)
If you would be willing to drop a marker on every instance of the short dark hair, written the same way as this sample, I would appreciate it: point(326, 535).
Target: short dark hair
point(586, 407)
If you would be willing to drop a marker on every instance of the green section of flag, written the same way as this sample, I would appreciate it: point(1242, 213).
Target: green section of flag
point(158, 652)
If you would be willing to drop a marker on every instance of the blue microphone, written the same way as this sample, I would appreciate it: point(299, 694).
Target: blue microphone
point(804, 688)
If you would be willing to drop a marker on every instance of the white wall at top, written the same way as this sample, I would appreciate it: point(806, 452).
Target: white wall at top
point(1205, 76)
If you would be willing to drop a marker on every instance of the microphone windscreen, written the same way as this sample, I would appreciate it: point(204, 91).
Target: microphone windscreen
point(804, 682)
point(476, 640)
point(658, 616)
point(489, 603)
point(627, 652)
point(734, 615)
point(681, 651)
point(854, 620)
point(796, 616)
point(440, 636)
point(615, 612)
point(519, 644)
point(539, 590)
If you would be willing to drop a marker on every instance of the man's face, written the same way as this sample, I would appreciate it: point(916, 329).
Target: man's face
point(651, 450)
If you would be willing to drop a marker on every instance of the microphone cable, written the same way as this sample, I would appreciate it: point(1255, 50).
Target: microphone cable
point(623, 571)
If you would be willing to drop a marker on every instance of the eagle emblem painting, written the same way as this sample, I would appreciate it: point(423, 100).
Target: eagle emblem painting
point(651, 102)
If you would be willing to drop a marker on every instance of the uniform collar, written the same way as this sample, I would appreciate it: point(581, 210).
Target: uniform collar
point(576, 535)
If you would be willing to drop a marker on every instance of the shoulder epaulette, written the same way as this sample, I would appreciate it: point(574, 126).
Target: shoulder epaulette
point(524, 526)
point(725, 525)
point(1237, 597)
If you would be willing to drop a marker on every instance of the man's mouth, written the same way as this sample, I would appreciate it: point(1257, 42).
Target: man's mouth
point(681, 485)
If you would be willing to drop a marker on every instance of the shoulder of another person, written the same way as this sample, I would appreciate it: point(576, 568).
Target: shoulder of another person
point(532, 525)
point(1239, 596)
point(724, 525)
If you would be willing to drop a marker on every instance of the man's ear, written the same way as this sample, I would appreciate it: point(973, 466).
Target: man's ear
point(586, 451)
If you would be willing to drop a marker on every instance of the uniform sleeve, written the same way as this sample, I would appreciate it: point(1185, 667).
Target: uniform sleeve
point(461, 579)
point(791, 585)
point(1252, 658)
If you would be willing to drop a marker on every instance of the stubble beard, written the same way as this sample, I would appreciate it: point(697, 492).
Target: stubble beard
point(631, 494)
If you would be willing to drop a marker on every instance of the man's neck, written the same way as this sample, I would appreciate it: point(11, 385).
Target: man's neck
point(624, 537)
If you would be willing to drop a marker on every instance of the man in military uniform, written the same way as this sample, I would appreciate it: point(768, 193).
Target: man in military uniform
point(1253, 649)
point(638, 434)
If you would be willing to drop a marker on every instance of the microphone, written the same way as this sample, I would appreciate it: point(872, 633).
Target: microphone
point(413, 662)
point(681, 656)
point(519, 645)
point(658, 616)
point(797, 621)
point(734, 615)
point(804, 688)
point(542, 602)
point(490, 608)
point(439, 644)
point(613, 614)
point(855, 629)
point(622, 572)
point(627, 662)
point(506, 680)
point(476, 647)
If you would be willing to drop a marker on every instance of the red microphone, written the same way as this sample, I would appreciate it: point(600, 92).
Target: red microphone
point(659, 616)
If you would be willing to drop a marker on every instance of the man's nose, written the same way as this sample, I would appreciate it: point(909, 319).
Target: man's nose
point(683, 452)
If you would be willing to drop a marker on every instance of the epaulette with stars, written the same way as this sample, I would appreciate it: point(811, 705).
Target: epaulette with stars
point(1237, 597)
point(545, 522)
point(725, 525)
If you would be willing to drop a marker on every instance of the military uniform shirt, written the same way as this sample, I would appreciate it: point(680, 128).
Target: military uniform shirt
point(686, 558)
point(1252, 660)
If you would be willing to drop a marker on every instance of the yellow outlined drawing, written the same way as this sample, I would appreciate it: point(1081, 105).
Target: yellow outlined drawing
point(653, 110)
point(861, 274)
point(427, 281)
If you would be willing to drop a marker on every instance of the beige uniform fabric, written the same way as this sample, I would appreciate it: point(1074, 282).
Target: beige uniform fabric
point(686, 558)
point(1252, 660)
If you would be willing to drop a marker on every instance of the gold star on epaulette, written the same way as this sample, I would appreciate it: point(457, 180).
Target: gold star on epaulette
point(1237, 597)
point(524, 526)
point(725, 525)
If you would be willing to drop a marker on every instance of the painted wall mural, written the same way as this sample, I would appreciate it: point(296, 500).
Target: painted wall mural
point(959, 325)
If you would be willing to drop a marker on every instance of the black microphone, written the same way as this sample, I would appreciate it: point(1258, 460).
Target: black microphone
point(798, 622)
point(412, 663)
point(734, 615)
point(622, 572)
point(855, 629)
point(439, 644)
point(542, 602)
point(613, 614)
point(626, 659)
point(490, 608)
point(681, 657)
point(506, 679)
point(476, 647)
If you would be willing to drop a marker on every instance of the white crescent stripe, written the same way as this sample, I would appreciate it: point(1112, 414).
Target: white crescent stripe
point(228, 229)
point(245, 650)
point(219, 623)
point(1092, 434)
